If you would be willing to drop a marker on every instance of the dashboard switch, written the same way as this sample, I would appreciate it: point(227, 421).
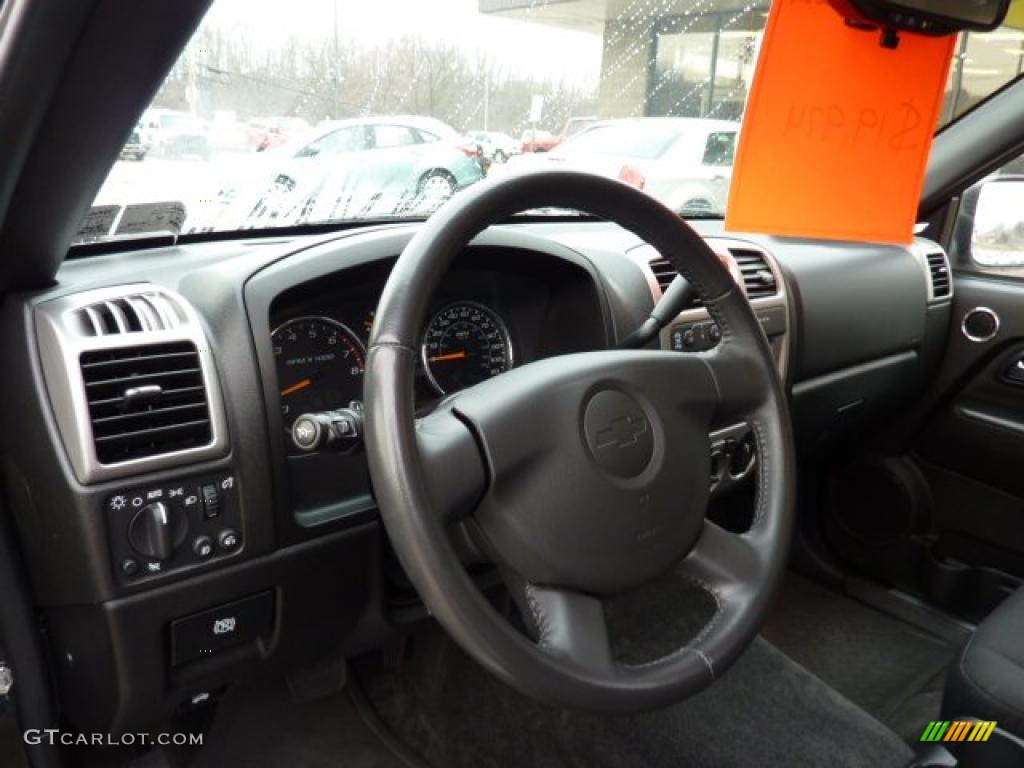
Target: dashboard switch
point(228, 540)
point(202, 546)
point(157, 530)
point(239, 623)
point(211, 502)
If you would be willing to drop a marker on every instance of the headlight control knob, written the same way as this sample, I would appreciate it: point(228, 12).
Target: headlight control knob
point(157, 530)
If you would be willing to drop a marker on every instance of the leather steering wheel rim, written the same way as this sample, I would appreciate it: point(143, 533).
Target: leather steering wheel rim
point(452, 465)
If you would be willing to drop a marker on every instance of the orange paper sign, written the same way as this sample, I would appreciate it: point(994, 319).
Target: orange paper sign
point(837, 130)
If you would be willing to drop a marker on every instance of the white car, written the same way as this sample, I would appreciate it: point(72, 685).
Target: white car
point(686, 163)
point(496, 146)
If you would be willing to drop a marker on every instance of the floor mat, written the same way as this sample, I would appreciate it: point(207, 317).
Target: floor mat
point(893, 670)
point(766, 711)
point(260, 727)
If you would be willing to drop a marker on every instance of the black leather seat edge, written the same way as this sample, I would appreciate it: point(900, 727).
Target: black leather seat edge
point(987, 679)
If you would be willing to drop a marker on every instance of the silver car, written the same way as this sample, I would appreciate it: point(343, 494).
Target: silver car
point(686, 163)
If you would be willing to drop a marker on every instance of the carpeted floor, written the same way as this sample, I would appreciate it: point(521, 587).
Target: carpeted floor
point(837, 686)
point(892, 670)
point(767, 711)
point(260, 727)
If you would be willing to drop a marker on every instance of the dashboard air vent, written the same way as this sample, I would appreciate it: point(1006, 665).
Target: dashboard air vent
point(130, 314)
point(758, 278)
point(938, 268)
point(665, 273)
point(145, 401)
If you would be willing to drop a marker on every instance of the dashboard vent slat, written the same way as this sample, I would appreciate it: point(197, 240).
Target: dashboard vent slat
point(130, 314)
point(665, 273)
point(146, 401)
point(938, 270)
point(758, 279)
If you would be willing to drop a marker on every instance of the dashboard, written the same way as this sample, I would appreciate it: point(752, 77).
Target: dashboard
point(499, 307)
point(162, 483)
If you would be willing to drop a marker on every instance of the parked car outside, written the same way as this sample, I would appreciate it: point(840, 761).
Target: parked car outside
point(270, 132)
point(539, 141)
point(495, 146)
point(686, 163)
point(173, 134)
point(576, 124)
point(357, 168)
point(134, 149)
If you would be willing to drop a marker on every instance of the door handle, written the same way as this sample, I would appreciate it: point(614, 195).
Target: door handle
point(1014, 373)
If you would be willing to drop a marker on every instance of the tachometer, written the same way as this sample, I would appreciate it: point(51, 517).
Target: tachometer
point(465, 344)
point(320, 366)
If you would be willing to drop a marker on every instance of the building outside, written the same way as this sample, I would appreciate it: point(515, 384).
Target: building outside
point(695, 58)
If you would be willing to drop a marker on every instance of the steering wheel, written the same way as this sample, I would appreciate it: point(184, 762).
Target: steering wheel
point(583, 476)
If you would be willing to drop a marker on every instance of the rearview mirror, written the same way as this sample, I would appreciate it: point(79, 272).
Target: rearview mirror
point(930, 17)
point(997, 237)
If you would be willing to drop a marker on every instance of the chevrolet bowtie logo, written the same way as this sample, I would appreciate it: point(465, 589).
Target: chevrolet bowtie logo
point(621, 432)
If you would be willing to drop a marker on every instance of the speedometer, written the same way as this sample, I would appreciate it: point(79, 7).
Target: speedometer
point(320, 365)
point(465, 344)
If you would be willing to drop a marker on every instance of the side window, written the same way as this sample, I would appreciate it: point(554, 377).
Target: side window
point(426, 136)
point(990, 225)
point(720, 148)
point(350, 139)
point(386, 136)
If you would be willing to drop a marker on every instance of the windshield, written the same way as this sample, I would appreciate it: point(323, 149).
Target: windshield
point(322, 111)
point(640, 139)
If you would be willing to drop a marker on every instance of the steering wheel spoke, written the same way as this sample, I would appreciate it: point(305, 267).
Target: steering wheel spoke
point(741, 380)
point(722, 561)
point(570, 624)
point(452, 465)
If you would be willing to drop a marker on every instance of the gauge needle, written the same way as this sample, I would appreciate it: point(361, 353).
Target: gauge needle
point(449, 356)
point(296, 387)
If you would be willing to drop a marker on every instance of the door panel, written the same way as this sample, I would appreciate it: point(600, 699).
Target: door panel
point(943, 516)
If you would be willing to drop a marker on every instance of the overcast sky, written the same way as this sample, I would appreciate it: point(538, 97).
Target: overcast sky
point(524, 47)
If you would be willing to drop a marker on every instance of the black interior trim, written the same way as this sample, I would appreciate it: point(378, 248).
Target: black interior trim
point(113, 67)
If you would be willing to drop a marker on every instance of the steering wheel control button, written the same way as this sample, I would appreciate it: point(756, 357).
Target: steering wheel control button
point(202, 547)
point(129, 567)
point(239, 623)
point(695, 337)
point(618, 433)
point(228, 540)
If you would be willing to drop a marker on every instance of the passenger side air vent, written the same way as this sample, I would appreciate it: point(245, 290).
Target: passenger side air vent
point(130, 314)
point(665, 273)
point(145, 401)
point(758, 279)
point(938, 269)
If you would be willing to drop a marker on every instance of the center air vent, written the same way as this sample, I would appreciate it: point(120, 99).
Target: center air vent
point(146, 401)
point(938, 269)
point(664, 273)
point(130, 314)
point(758, 279)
